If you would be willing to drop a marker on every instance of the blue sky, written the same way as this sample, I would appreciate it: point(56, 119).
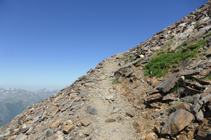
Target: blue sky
point(50, 43)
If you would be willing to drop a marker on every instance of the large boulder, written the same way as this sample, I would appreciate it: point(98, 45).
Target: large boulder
point(177, 121)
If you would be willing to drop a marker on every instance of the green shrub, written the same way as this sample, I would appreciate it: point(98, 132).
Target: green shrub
point(161, 63)
point(114, 82)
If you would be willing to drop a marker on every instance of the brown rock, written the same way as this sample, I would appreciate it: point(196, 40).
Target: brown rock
point(110, 120)
point(205, 72)
point(68, 128)
point(183, 106)
point(154, 81)
point(199, 34)
point(69, 122)
point(201, 135)
point(85, 122)
point(190, 41)
point(168, 97)
point(154, 97)
point(177, 121)
point(140, 127)
point(13, 137)
point(55, 124)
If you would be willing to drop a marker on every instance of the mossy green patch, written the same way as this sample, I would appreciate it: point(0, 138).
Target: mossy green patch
point(161, 63)
point(114, 82)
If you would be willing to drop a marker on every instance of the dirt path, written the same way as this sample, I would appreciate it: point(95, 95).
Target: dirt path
point(111, 121)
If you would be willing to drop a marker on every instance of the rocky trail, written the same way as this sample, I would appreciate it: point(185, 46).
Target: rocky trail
point(94, 111)
point(158, 90)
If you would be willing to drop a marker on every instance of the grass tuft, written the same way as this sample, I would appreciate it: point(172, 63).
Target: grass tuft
point(161, 63)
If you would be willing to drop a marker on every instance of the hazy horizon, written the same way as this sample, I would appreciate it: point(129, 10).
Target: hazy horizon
point(33, 89)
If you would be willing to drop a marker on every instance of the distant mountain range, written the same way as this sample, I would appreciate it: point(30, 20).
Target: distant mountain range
point(14, 101)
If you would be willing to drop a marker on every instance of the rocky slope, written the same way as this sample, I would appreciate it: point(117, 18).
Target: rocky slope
point(159, 89)
point(15, 101)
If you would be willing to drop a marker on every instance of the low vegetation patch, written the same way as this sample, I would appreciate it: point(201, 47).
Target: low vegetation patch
point(162, 63)
point(170, 42)
point(114, 82)
point(127, 59)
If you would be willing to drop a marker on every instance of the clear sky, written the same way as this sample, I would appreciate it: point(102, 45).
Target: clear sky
point(50, 43)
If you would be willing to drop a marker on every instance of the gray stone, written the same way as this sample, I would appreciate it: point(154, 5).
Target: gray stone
point(188, 99)
point(75, 106)
point(156, 115)
point(128, 74)
point(196, 108)
point(164, 116)
point(200, 116)
point(48, 133)
point(91, 110)
point(166, 85)
point(145, 61)
point(120, 79)
point(115, 110)
point(155, 49)
point(142, 81)
point(190, 72)
point(199, 34)
point(209, 63)
point(206, 98)
point(121, 63)
point(206, 28)
point(97, 95)
point(110, 97)
point(163, 112)
point(128, 65)
point(89, 84)
point(169, 97)
point(88, 131)
point(130, 112)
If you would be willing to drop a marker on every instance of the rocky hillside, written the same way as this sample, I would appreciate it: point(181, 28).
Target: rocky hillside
point(158, 90)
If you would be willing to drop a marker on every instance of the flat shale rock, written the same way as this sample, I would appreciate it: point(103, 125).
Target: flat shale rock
point(190, 72)
point(154, 97)
point(177, 121)
point(166, 85)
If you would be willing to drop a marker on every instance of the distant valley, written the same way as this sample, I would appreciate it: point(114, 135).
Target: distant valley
point(14, 101)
